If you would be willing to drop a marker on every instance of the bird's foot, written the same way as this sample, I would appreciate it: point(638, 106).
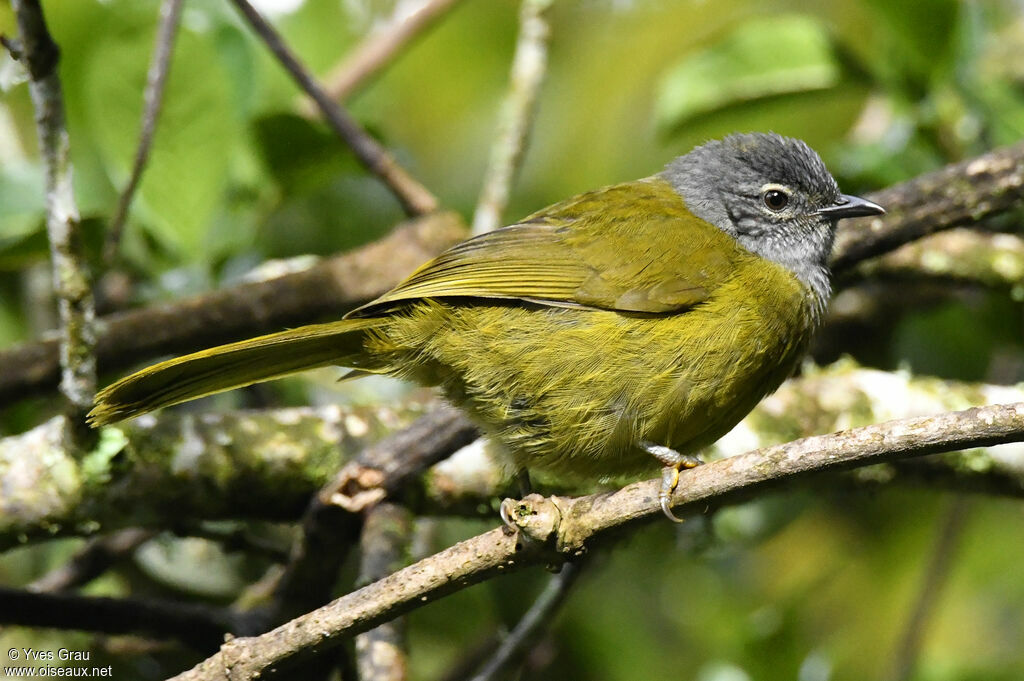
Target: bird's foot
point(674, 462)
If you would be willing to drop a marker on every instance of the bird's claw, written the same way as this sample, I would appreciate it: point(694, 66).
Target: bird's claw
point(505, 510)
point(669, 481)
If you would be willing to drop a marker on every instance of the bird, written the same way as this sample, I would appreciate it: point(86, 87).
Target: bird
point(607, 335)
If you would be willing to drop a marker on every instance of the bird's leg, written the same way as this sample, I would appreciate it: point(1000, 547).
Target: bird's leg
point(525, 488)
point(674, 462)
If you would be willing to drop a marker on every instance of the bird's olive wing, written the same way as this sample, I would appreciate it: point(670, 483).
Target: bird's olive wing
point(632, 247)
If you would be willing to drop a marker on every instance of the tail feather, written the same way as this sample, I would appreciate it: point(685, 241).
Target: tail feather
point(232, 366)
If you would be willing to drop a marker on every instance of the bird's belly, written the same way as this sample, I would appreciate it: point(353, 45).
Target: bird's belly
point(572, 392)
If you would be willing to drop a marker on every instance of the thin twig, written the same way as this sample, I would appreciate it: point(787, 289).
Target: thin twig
point(380, 652)
point(156, 80)
point(378, 51)
point(414, 197)
point(71, 280)
point(947, 541)
point(92, 561)
point(556, 529)
point(517, 113)
point(526, 630)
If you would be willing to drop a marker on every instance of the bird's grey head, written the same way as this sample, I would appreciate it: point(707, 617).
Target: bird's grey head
point(774, 195)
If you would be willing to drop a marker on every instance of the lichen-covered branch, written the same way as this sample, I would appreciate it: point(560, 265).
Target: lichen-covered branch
point(517, 113)
point(413, 196)
point(962, 255)
point(954, 196)
point(560, 529)
point(158, 472)
point(71, 281)
point(330, 287)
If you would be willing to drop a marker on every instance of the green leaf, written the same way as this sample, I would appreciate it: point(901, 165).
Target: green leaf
point(921, 34)
point(302, 156)
point(185, 179)
point(762, 58)
point(22, 202)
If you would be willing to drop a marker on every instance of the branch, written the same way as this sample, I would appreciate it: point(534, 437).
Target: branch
point(380, 652)
point(156, 79)
point(378, 50)
point(560, 529)
point(198, 626)
point(936, 572)
point(414, 197)
point(329, 288)
point(536, 618)
point(70, 274)
point(331, 524)
point(962, 255)
point(517, 113)
point(155, 473)
point(92, 560)
point(959, 194)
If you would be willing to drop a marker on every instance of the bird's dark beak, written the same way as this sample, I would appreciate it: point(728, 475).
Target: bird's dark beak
point(851, 207)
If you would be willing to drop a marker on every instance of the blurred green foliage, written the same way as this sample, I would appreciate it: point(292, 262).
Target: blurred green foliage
point(803, 586)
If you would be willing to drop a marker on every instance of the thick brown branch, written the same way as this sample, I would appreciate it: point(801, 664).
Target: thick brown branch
point(960, 194)
point(559, 529)
point(338, 284)
point(330, 287)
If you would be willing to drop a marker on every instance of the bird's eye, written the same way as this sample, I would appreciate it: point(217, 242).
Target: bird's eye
point(775, 199)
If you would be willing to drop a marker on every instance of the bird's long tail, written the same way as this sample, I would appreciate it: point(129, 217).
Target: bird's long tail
point(233, 366)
